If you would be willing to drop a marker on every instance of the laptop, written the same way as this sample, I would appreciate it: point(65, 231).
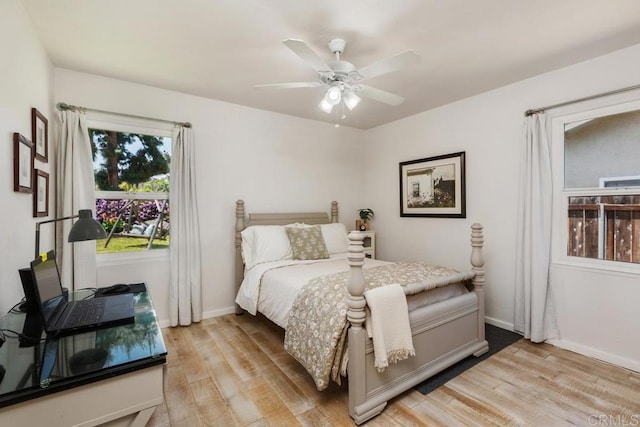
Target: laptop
point(63, 317)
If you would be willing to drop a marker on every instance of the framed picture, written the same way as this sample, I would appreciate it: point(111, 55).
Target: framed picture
point(40, 193)
point(40, 134)
point(22, 164)
point(433, 187)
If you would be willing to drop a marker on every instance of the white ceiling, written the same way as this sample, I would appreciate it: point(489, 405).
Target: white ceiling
point(220, 48)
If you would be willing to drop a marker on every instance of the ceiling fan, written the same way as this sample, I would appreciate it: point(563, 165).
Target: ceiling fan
point(342, 79)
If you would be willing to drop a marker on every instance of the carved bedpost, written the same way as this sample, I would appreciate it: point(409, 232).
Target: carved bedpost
point(477, 262)
point(334, 211)
point(356, 301)
point(357, 334)
point(239, 263)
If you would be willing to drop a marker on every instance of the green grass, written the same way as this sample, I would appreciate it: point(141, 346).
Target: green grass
point(128, 244)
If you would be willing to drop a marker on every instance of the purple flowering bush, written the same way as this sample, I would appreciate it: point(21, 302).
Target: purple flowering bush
point(107, 212)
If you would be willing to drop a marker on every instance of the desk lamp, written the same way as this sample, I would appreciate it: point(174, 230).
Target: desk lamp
point(85, 228)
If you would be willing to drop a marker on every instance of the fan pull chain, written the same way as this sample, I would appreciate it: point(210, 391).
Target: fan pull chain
point(342, 117)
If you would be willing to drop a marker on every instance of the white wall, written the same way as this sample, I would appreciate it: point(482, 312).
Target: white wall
point(272, 161)
point(25, 82)
point(595, 319)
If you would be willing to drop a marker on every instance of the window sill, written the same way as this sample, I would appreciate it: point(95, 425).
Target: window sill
point(625, 269)
point(115, 259)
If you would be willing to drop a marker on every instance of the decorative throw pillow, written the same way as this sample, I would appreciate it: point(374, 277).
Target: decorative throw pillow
point(307, 243)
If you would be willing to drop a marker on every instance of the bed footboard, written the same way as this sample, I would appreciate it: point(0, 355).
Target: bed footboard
point(443, 334)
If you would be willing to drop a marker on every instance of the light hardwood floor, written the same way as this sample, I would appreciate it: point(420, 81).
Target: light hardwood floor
point(233, 371)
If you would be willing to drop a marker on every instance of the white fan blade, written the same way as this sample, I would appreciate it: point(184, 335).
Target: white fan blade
point(379, 95)
point(388, 65)
point(293, 85)
point(301, 49)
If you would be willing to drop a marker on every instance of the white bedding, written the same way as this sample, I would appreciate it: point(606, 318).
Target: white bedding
point(281, 285)
point(271, 289)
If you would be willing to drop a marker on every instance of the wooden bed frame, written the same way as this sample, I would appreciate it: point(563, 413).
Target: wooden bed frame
point(443, 333)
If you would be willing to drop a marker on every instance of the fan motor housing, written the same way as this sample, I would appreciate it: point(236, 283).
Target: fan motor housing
point(337, 45)
point(341, 67)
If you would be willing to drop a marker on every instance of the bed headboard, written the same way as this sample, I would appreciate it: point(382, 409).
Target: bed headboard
point(283, 218)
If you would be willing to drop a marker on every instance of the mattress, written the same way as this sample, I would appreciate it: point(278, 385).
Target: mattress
point(272, 287)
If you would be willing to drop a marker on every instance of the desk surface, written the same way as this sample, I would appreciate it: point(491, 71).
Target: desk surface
point(35, 366)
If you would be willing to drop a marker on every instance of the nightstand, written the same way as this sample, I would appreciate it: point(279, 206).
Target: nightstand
point(369, 243)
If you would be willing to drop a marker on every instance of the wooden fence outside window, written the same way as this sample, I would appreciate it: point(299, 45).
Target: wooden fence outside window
point(616, 238)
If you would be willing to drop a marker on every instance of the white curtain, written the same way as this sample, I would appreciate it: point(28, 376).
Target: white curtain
point(185, 299)
point(534, 310)
point(75, 190)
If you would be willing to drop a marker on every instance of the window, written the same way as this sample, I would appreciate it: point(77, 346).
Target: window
point(131, 171)
point(598, 191)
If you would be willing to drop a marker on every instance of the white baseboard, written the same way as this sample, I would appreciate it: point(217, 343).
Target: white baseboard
point(499, 323)
point(165, 323)
point(603, 356)
point(219, 312)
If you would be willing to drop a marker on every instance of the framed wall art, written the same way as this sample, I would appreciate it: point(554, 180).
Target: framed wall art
point(40, 134)
point(40, 193)
point(22, 164)
point(433, 187)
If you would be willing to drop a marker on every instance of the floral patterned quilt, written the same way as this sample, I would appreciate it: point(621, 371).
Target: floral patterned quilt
point(317, 325)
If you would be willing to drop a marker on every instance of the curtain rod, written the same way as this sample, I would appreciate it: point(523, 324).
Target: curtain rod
point(586, 98)
point(63, 106)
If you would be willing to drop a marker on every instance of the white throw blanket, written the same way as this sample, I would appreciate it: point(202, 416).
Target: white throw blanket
point(388, 324)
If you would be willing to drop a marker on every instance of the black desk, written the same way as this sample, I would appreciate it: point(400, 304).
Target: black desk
point(89, 378)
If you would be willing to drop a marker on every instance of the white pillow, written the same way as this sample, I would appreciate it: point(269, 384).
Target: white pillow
point(335, 237)
point(264, 243)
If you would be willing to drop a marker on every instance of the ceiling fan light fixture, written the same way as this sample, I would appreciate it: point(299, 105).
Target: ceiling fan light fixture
point(333, 95)
point(351, 100)
point(325, 105)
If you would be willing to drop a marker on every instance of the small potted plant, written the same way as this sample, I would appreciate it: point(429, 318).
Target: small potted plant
point(366, 215)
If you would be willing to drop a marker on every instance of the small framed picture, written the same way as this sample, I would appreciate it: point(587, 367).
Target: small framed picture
point(40, 134)
point(433, 187)
point(22, 164)
point(40, 193)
